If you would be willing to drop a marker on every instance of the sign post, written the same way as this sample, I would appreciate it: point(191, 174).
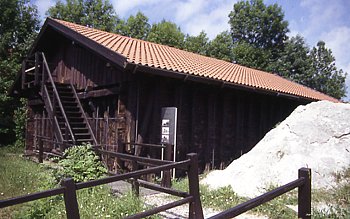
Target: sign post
point(168, 129)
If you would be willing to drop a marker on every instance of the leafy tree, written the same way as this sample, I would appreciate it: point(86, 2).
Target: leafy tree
point(93, 13)
point(166, 33)
point(262, 28)
point(18, 25)
point(221, 47)
point(295, 62)
point(326, 77)
point(257, 24)
point(135, 27)
point(250, 56)
point(197, 44)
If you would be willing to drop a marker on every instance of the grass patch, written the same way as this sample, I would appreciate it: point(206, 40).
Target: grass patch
point(96, 202)
point(19, 176)
point(225, 198)
point(333, 203)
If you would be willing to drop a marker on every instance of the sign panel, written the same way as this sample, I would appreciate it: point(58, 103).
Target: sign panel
point(168, 130)
point(169, 120)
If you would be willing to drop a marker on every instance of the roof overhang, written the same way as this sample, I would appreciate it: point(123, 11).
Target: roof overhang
point(133, 67)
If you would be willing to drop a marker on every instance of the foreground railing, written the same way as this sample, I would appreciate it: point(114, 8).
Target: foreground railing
point(303, 183)
point(69, 187)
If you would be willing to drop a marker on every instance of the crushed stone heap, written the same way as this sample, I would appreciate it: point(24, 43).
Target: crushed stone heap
point(316, 136)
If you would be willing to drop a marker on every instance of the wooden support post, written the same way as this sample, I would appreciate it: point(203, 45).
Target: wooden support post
point(70, 199)
point(195, 211)
point(41, 150)
point(135, 184)
point(36, 70)
point(23, 74)
point(166, 181)
point(304, 194)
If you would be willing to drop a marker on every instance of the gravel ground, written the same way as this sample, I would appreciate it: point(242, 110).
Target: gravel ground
point(153, 198)
point(182, 211)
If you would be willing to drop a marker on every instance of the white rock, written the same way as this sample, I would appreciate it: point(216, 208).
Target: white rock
point(316, 136)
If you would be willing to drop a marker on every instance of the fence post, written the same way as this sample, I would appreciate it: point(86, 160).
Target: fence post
point(195, 209)
point(304, 194)
point(166, 181)
point(41, 150)
point(70, 199)
point(135, 186)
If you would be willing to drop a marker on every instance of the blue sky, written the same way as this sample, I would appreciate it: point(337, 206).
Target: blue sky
point(313, 19)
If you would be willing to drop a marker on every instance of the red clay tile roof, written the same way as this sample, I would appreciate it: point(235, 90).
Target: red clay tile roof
point(172, 59)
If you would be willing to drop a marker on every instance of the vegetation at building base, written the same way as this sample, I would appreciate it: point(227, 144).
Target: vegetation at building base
point(20, 176)
point(81, 164)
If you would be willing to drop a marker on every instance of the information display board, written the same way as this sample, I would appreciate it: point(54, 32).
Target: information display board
point(169, 120)
point(168, 130)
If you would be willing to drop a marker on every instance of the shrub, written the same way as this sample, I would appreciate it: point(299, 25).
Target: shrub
point(81, 163)
point(20, 118)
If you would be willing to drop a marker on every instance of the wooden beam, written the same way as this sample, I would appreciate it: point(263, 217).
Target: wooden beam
point(98, 93)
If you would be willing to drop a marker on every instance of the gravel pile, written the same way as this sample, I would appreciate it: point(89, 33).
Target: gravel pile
point(316, 136)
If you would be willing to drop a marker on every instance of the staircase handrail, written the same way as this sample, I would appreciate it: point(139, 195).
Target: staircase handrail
point(54, 89)
point(83, 113)
point(46, 93)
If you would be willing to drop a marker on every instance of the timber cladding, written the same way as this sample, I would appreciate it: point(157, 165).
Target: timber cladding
point(219, 124)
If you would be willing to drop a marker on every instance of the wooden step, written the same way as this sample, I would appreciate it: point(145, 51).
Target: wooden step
point(75, 119)
point(69, 107)
point(80, 130)
point(82, 135)
point(69, 113)
point(68, 103)
point(88, 140)
point(64, 92)
point(65, 98)
point(74, 125)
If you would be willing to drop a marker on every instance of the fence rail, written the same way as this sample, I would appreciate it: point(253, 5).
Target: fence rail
point(303, 183)
point(69, 187)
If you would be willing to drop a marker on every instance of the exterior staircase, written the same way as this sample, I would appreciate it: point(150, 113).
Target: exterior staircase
point(67, 117)
point(73, 112)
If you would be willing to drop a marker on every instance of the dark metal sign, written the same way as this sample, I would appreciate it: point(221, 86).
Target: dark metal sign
point(168, 130)
point(169, 120)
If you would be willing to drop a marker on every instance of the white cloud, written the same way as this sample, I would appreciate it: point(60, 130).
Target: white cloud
point(328, 21)
point(337, 39)
point(188, 9)
point(43, 6)
point(192, 16)
point(212, 17)
point(124, 7)
point(321, 16)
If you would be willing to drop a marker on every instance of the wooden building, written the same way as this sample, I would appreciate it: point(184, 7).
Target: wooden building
point(87, 85)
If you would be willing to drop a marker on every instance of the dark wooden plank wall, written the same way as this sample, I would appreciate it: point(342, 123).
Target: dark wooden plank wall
point(84, 69)
point(219, 123)
point(38, 126)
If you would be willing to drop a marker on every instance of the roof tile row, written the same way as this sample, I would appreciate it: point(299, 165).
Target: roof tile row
point(172, 59)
